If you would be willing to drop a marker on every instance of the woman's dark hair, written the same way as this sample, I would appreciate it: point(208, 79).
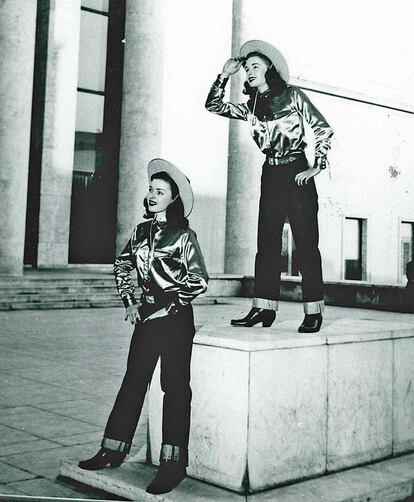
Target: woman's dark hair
point(175, 211)
point(273, 79)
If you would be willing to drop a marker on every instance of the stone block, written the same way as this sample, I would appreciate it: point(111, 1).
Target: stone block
point(218, 448)
point(130, 480)
point(354, 485)
point(403, 401)
point(359, 403)
point(251, 412)
point(287, 415)
point(271, 406)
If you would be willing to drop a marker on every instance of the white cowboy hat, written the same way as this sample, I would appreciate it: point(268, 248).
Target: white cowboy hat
point(180, 179)
point(270, 52)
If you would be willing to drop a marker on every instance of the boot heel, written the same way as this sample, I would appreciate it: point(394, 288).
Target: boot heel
point(116, 463)
point(269, 321)
point(265, 317)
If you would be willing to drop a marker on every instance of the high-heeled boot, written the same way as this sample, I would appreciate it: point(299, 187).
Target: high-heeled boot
point(255, 316)
point(170, 474)
point(104, 457)
point(311, 323)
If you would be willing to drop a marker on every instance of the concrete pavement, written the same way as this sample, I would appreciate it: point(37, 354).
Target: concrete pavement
point(60, 371)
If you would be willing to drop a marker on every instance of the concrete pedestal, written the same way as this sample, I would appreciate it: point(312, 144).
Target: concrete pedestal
point(388, 481)
point(271, 406)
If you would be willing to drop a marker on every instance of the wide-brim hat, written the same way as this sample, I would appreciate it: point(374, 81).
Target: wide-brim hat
point(180, 179)
point(268, 50)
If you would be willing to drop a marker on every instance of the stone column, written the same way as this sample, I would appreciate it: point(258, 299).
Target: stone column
point(17, 43)
point(59, 132)
point(141, 110)
point(243, 174)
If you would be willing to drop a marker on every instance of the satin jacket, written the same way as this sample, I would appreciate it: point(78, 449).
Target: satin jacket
point(281, 130)
point(166, 260)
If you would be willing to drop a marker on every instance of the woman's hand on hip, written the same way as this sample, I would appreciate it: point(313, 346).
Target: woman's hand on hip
point(303, 177)
point(231, 67)
point(132, 313)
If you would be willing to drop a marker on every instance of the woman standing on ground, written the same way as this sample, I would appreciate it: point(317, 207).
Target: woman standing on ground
point(171, 273)
point(276, 113)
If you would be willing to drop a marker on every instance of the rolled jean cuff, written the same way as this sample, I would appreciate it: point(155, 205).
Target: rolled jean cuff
point(264, 303)
point(173, 452)
point(313, 307)
point(116, 445)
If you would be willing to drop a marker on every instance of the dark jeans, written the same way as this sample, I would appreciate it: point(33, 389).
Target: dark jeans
point(170, 338)
point(281, 197)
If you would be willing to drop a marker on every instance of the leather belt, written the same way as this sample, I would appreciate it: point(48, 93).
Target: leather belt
point(161, 299)
point(273, 160)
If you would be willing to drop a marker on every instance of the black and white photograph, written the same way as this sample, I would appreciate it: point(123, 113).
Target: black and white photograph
point(207, 250)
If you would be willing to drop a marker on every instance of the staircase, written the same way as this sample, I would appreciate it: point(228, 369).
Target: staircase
point(94, 286)
point(85, 288)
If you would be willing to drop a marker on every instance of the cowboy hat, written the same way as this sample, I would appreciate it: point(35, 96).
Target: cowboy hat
point(180, 179)
point(270, 52)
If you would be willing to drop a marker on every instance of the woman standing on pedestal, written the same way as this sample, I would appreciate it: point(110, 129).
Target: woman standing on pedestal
point(276, 113)
point(171, 273)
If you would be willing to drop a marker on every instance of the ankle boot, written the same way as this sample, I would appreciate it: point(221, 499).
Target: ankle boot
point(104, 457)
point(170, 474)
point(311, 323)
point(255, 316)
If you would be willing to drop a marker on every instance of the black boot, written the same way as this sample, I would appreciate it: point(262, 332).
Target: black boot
point(255, 316)
point(311, 323)
point(170, 474)
point(104, 457)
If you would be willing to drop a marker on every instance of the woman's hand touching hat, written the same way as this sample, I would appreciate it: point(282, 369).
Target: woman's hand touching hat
point(231, 67)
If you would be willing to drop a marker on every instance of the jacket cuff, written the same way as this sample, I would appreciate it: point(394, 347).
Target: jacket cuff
point(320, 162)
point(220, 81)
point(129, 300)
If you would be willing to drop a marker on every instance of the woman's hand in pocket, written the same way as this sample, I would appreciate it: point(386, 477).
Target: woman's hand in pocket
point(303, 177)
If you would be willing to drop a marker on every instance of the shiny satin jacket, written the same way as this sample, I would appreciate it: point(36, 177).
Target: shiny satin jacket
point(173, 263)
point(282, 129)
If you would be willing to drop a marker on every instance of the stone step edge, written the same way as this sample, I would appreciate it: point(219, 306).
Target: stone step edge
point(12, 281)
point(379, 481)
point(111, 291)
point(72, 304)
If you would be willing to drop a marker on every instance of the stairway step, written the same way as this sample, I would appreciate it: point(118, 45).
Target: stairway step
point(65, 289)
point(47, 304)
point(20, 284)
point(51, 292)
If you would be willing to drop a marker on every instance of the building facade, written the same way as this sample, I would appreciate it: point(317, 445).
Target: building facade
point(91, 90)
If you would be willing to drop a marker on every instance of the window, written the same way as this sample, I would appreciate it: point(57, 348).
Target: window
point(98, 124)
point(97, 5)
point(91, 75)
point(407, 237)
point(289, 264)
point(355, 249)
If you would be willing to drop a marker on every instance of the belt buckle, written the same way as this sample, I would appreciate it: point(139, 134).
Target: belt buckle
point(149, 299)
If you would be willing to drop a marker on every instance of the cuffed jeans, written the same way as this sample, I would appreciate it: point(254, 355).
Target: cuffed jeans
point(281, 197)
point(171, 339)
